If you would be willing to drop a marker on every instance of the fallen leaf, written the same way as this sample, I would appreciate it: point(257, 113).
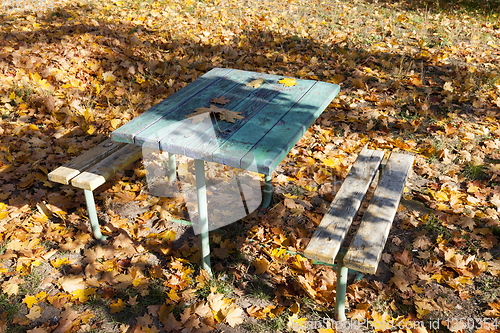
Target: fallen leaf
point(227, 115)
point(220, 100)
point(117, 306)
point(261, 265)
point(288, 82)
point(30, 301)
point(255, 83)
point(34, 313)
point(234, 315)
point(72, 283)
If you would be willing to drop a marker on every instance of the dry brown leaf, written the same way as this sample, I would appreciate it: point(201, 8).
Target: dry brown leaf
point(225, 114)
point(220, 100)
point(233, 315)
point(34, 313)
point(66, 322)
point(403, 257)
point(255, 83)
point(72, 283)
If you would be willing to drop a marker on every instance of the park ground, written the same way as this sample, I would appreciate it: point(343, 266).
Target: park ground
point(419, 77)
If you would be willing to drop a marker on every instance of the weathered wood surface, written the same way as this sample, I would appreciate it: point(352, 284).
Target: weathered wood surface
point(328, 237)
point(66, 172)
point(275, 117)
point(165, 127)
point(366, 248)
point(290, 127)
point(130, 130)
point(231, 151)
point(97, 175)
point(209, 137)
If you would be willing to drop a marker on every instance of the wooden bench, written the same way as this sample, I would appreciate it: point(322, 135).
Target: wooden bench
point(365, 250)
point(91, 169)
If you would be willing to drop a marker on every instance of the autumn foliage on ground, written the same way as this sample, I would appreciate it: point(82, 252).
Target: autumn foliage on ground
point(416, 77)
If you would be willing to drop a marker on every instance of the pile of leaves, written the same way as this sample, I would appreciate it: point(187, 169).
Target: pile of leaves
point(415, 76)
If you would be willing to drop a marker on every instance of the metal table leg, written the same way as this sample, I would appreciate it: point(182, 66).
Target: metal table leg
point(268, 191)
point(171, 167)
point(201, 188)
point(94, 222)
point(342, 272)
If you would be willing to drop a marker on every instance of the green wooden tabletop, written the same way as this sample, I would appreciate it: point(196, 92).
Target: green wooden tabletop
point(274, 118)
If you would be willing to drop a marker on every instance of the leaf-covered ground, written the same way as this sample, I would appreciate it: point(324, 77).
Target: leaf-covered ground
point(420, 77)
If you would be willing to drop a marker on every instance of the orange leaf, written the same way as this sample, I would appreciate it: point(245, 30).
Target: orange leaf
point(403, 257)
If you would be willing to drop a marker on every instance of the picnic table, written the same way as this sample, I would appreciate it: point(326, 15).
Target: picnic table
point(268, 116)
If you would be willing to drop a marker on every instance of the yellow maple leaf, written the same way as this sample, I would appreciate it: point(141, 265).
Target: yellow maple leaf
point(173, 295)
point(417, 289)
point(91, 129)
point(296, 323)
point(115, 123)
point(117, 306)
point(41, 295)
point(83, 295)
point(288, 82)
point(261, 265)
point(108, 77)
point(168, 235)
point(60, 262)
point(30, 301)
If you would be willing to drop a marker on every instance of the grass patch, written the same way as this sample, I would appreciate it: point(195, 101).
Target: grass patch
point(260, 289)
point(474, 172)
point(221, 282)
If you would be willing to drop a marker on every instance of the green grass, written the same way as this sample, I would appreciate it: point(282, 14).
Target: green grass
point(474, 172)
point(434, 225)
point(222, 282)
point(32, 281)
point(10, 307)
point(276, 324)
point(260, 289)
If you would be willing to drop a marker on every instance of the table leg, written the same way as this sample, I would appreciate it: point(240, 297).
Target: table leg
point(201, 188)
point(94, 222)
point(268, 191)
point(171, 167)
point(342, 272)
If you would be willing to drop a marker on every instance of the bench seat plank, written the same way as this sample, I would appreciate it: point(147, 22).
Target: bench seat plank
point(68, 171)
point(100, 172)
point(328, 237)
point(366, 248)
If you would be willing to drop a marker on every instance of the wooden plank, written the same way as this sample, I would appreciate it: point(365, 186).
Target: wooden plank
point(198, 142)
point(66, 172)
point(166, 127)
point(366, 248)
point(328, 237)
point(128, 131)
point(290, 128)
point(240, 143)
point(99, 173)
point(215, 135)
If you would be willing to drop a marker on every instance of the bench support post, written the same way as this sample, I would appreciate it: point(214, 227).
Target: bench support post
point(94, 222)
point(201, 188)
point(172, 173)
point(342, 272)
point(268, 191)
